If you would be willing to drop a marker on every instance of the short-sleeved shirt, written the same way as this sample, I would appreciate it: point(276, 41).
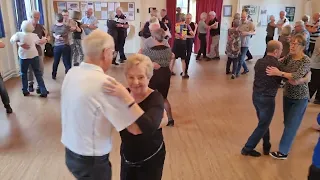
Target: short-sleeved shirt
point(29, 39)
point(214, 32)
point(91, 21)
point(282, 22)
point(202, 27)
point(299, 69)
point(234, 43)
point(88, 114)
point(245, 27)
point(315, 35)
point(63, 31)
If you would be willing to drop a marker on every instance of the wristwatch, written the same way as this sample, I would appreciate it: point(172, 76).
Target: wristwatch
point(282, 74)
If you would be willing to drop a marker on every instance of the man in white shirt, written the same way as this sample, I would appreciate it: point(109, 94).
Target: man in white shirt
point(282, 22)
point(88, 114)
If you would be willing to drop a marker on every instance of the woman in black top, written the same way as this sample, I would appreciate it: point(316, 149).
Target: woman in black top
point(113, 31)
point(142, 155)
point(190, 39)
point(122, 26)
point(161, 56)
point(77, 48)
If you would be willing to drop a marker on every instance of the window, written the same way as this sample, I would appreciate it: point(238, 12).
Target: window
point(188, 6)
point(2, 32)
point(20, 8)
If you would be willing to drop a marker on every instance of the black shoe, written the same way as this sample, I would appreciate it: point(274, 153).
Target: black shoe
point(170, 122)
point(43, 95)
point(245, 72)
point(252, 153)
point(316, 101)
point(39, 92)
point(115, 63)
point(54, 77)
point(185, 76)
point(228, 72)
point(249, 59)
point(76, 64)
point(8, 108)
point(26, 94)
point(217, 58)
point(30, 88)
point(233, 76)
point(266, 150)
point(278, 155)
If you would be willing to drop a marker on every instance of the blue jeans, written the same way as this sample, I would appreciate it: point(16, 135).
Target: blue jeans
point(65, 52)
point(293, 111)
point(265, 106)
point(242, 62)
point(35, 65)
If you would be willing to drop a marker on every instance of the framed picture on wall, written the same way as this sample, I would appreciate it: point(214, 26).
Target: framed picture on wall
point(227, 11)
point(291, 11)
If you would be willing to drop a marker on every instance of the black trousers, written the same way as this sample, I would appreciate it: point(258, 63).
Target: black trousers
point(88, 167)
point(235, 62)
point(311, 49)
point(249, 55)
point(268, 39)
point(314, 173)
point(4, 93)
point(314, 84)
point(148, 170)
point(121, 40)
point(203, 45)
point(190, 42)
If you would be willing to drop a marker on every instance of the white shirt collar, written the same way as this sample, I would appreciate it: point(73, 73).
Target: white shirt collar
point(91, 67)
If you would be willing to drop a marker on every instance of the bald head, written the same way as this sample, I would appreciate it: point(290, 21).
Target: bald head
point(274, 48)
point(89, 12)
point(316, 17)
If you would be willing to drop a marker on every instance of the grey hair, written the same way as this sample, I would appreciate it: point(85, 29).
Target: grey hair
point(300, 23)
point(112, 15)
point(237, 16)
point(154, 20)
point(154, 26)
point(305, 18)
point(120, 9)
point(212, 13)
point(27, 26)
point(286, 30)
point(34, 13)
point(203, 15)
point(236, 23)
point(139, 59)
point(94, 43)
point(158, 34)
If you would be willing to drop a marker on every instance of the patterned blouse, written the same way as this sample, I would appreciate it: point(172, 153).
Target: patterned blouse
point(160, 54)
point(299, 69)
point(234, 43)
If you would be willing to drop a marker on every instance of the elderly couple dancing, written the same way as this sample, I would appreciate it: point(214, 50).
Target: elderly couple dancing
point(269, 71)
point(92, 103)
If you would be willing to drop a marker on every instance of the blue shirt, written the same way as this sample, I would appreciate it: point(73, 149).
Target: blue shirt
point(91, 21)
point(316, 153)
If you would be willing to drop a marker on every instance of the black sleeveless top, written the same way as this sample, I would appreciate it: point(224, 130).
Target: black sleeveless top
point(193, 27)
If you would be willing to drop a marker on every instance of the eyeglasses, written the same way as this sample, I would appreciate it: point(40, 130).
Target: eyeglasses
point(295, 44)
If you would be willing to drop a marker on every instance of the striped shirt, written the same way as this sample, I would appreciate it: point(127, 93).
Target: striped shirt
point(315, 35)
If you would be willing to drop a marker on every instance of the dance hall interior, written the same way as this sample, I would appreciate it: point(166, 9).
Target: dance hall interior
point(160, 89)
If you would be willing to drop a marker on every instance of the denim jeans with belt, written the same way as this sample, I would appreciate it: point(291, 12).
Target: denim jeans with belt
point(293, 111)
point(242, 62)
point(265, 106)
point(88, 167)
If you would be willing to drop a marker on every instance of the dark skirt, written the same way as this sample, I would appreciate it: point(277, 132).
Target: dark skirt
point(180, 49)
point(160, 81)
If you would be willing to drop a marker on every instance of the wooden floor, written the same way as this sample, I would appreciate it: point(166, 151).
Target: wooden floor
point(214, 117)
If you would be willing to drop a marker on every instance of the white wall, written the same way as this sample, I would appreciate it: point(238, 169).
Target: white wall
point(315, 6)
point(133, 41)
point(258, 41)
point(8, 56)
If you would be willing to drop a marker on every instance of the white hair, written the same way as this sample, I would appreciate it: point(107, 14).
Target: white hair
point(154, 26)
point(203, 15)
point(34, 13)
point(120, 9)
point(94, 44)
point(300, 23)
point(27, 26)
point(212, 13)
point(112, 15)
